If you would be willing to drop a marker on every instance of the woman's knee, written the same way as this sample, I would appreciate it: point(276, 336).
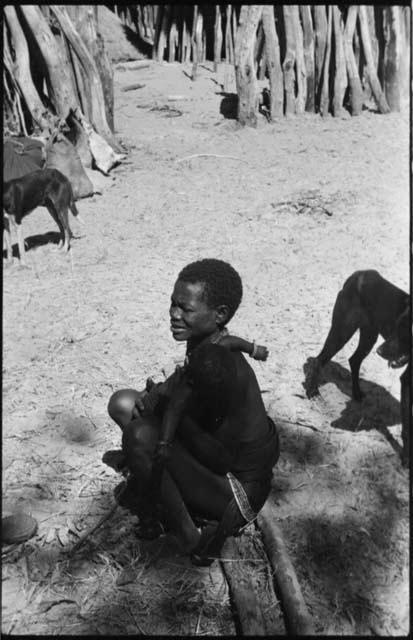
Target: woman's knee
point(121, 405)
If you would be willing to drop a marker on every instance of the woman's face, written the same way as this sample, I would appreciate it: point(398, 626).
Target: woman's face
point(191, 317)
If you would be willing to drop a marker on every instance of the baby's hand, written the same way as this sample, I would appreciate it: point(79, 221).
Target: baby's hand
point(261, 353)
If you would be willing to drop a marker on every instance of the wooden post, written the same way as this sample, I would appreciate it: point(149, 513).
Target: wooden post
point(18, 122)
point(186, 43)
point(356, 91)
point(96, 46)
point(299, 62)
point(21, 68)
point(405, 52)
point(173, 35)
point(320, 24)
point(289, 60)
point(305, 11)
point(245, 77)
point(298, 619)
point(234, 28)
point(61, 85)
point(392, 56)
point(197, 29)
point(340, 76)
point(272, 55)
point(371, 71)
point(372, 30)
point(229, 44)
point(203, 46)
point(96, 90)
point(162, 33)
point(158, 13)
point(217, 37)
point(148, 22)
point(259, 54)
point(325, 92)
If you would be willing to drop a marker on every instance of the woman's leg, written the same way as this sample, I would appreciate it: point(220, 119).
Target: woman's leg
point(139, 441)
point(206, 493)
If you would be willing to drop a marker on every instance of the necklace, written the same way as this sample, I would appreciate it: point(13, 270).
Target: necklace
point(219, 336)
point(216, 340)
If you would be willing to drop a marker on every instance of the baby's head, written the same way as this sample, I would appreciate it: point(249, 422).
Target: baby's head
point(211, 371)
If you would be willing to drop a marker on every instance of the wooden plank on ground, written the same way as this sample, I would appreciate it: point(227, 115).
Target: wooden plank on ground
point(297, 617)
point(248, 573)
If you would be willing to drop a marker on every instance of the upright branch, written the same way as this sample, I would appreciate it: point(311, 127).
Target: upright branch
point(320, 25)
point(62, 92)
point(96, 91)
point(196, 40)
point(325, 90)
point(308, 34)
point(217, 37)
point(162, 33)
point(299, 62)
point(289, 60)
point(356, 91)
point(245, 76)
point(392, 56)
point(173, 40)
point(371, 70)
point(340, 76)
point(272, 55)
point(229, 43)
point(21, 68)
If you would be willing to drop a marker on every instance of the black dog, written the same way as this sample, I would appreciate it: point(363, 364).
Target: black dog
point(397, 351)
point(46, 187)
point(376, 307)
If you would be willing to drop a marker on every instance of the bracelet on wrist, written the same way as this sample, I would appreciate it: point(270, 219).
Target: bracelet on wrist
point(254, 350)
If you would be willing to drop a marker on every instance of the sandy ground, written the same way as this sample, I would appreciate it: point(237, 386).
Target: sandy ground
point(296, 206)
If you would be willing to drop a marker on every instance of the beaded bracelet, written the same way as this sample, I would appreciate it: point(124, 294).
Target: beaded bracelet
point(253, 353)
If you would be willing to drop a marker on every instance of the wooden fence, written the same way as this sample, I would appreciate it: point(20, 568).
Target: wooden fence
point(318, 58)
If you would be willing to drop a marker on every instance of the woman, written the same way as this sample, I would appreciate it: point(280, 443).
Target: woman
point(217, 457)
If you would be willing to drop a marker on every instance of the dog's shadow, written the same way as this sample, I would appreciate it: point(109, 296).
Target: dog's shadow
point(377, 410)
point(38, 240)
point(229, 105)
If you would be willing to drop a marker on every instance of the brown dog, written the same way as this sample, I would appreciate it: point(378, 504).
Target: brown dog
point(374, 306)
point(46, 187)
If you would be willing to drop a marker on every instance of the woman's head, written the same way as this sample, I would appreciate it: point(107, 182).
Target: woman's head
point(206, 295)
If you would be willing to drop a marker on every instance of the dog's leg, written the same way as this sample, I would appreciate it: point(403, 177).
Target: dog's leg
point(406, 414)
point(345, 322)
point(64, 219)
point(368, 337)
point(56, 217)
point(7, 238)
point(20, 240)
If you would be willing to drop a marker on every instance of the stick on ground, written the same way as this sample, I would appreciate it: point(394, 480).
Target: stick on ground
point(88, 533)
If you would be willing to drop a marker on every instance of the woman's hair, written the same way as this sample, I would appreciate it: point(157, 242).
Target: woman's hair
point(222, 283)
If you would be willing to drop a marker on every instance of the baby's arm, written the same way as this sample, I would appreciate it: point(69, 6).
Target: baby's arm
point(234, 343)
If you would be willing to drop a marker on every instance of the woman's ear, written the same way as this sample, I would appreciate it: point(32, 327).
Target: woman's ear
point(222, 314)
